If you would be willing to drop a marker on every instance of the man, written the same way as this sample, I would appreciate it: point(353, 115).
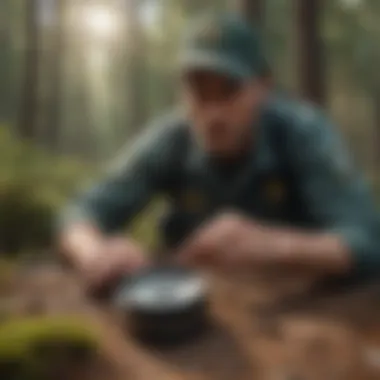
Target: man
point(253, 178)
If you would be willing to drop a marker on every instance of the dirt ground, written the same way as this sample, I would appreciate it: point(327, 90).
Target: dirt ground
point(264, 329)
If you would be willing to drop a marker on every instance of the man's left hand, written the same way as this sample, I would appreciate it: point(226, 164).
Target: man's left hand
point(233, 240)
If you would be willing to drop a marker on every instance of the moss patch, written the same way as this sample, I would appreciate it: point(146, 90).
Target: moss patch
point(36, 347)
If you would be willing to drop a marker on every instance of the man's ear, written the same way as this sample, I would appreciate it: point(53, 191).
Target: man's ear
point(261, 87)
point(267, 79)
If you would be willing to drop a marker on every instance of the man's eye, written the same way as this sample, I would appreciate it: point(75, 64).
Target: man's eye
point(231, 89)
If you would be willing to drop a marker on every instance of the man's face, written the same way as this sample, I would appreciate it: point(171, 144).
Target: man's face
point(222, 110)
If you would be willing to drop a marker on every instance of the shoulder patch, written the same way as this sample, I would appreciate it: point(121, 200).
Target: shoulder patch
point(275, 191)
point(193, 200)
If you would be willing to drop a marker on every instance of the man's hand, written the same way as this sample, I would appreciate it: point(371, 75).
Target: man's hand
point(111, 260)
point(234, 241)
point(101, 261)
point(223, 242)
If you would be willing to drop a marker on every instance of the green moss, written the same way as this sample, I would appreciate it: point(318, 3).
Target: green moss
point(34, 346)
point(34, 184)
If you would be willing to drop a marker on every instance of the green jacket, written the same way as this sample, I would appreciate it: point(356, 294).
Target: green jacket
point(298, 173)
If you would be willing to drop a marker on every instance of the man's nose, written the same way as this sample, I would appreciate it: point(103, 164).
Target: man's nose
point(214, 112)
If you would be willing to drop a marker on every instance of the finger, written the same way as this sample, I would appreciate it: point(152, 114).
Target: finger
point(185, 255)
point(137, 264)
point(198, 256)
point(189, 254)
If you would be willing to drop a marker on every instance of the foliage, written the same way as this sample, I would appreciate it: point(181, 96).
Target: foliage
point(97, 100)
point(33, 185)
point(33, 348)
point(100, 88)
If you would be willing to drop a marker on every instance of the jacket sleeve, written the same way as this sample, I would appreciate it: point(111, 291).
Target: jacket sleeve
point(140, 172)
point(335, 195)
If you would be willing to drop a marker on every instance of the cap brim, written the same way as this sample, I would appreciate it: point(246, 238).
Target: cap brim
point(198, 60)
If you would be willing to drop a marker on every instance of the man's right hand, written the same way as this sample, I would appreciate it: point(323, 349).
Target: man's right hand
point(102, 261)
point(113, 258)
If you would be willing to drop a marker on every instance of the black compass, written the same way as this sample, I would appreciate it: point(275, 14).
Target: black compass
point(165, 304)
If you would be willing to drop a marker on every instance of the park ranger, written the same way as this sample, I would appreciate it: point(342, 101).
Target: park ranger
point(252, 177)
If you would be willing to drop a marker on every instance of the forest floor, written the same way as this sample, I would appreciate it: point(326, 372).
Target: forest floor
point(257, 334)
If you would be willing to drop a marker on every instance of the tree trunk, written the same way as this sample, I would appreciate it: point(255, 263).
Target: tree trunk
point(85, 138)
point(310, 50)
point(376, 105)
point(137, 101)
point(192, 7)
point(253, 10)
point(27, 123)
point(6, 61)
point(52, 130)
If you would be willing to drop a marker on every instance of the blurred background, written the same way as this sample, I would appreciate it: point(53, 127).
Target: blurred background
point(80, 78)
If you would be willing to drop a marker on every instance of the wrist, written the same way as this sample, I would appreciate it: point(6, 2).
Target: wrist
point(274, 245)
point(83, 246)
point(319, 251)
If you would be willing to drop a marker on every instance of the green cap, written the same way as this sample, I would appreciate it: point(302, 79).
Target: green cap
point(222, 43)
